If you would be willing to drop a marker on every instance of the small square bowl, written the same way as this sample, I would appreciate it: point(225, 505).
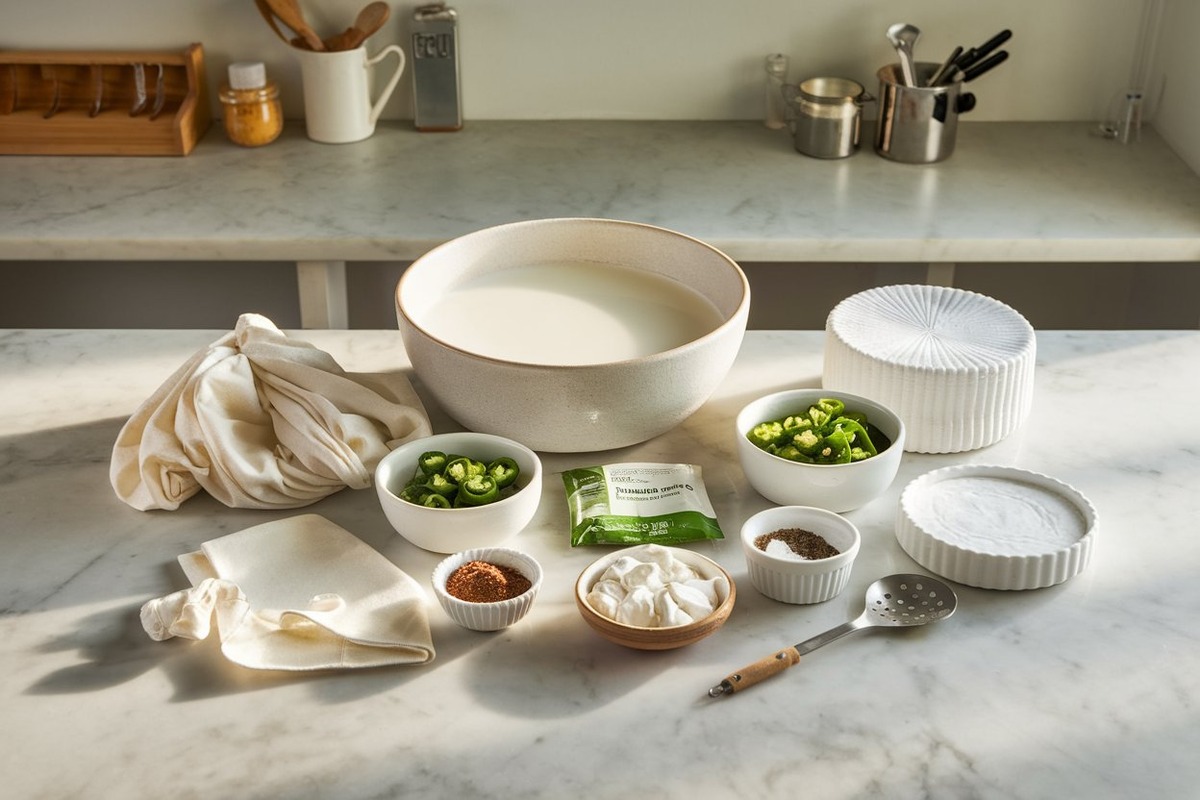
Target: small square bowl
point(487, 616)
point(643, 638)
point(449, 530)
point(798, 580)
point(837, 487)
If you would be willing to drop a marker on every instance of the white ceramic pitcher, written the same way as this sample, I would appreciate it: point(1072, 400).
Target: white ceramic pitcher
point(337, 92)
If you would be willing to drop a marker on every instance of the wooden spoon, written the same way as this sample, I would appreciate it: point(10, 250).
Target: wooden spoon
point(372, 17)
point(269, 16)
point(290, 14)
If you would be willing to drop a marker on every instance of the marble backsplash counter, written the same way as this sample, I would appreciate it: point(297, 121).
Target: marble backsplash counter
point(1011, 192)
point(1086, 689)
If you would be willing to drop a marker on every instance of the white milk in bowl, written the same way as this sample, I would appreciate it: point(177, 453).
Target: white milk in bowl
point(570, 314)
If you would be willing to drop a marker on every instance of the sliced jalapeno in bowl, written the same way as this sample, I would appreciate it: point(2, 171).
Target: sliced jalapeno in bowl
point(450, 480)
point(825, 433)
point(433, 500)
point(478, 490)
point(433, 512)
point(503, 471)
point(432, 463)
point(828, 453)
point(441, 485)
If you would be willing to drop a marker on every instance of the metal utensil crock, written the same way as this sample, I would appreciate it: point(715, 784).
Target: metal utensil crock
point(918, 124)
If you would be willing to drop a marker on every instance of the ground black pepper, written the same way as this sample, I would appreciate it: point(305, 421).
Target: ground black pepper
point(805, 544)
point(484, 582)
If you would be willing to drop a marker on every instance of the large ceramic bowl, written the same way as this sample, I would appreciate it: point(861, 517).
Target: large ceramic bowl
point(835, 487)
point(572, 335)
point(449, 530)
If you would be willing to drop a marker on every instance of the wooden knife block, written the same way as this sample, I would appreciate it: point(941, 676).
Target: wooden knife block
point(83, 102)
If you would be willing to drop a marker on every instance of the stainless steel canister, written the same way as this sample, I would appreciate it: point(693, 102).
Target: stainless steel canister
point(918, 124)
point(437, 92)
point(825, 116)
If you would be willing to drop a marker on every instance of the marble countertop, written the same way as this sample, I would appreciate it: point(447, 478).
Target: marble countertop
point(1086, 689)
point(1011, 192)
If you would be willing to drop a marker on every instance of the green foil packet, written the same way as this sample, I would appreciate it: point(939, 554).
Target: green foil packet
point(639, 503)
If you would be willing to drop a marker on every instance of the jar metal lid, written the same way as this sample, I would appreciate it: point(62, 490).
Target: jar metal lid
point(247, 75)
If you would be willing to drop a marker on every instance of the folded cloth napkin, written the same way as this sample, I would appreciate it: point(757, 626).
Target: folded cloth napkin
point(297, 594)
point(260, 420)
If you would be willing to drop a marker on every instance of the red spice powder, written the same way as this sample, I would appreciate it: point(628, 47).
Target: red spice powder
point(484, 582)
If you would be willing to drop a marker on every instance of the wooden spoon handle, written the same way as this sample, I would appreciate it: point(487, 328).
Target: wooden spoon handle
point(269, 16)
point(757, 672)
point(348, 39)
point(288, 12)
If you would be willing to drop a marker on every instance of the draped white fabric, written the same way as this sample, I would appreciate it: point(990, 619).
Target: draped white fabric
point(297, 594)
point(261, 420)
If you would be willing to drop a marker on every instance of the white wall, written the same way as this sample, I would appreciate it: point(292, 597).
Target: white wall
point(661, 59)
point(1177, 77)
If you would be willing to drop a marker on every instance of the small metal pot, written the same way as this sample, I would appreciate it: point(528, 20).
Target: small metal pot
point(825, 116)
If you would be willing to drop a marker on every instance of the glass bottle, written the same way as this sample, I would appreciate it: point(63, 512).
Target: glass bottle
point(777, 67)
point(253, 114)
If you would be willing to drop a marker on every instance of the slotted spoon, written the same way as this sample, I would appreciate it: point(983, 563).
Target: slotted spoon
point(904, 38)
point(897, 601)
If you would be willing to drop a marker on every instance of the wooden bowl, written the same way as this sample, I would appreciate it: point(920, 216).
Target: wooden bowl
point(640, 638)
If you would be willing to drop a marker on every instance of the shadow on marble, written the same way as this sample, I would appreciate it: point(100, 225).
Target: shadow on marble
point(202, 673)
point(25, 455)
point(113, 650)
point(570, 671)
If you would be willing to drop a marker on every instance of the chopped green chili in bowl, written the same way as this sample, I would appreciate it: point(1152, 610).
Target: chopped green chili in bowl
point(826, 433)
point(443, 480)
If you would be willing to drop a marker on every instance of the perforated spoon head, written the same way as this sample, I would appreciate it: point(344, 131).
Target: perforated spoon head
point(904, 38)
point(902, 600)
point(902, 33)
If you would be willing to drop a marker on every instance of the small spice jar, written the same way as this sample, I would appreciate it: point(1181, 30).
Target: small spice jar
point(253, 114)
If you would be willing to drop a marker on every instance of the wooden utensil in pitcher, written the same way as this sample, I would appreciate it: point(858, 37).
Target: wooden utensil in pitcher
point(370, 19)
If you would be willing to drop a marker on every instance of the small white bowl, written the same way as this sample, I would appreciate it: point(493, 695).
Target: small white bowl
point(449, 530)
point(487, 616)
point(836, 487)
point(796, 580)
